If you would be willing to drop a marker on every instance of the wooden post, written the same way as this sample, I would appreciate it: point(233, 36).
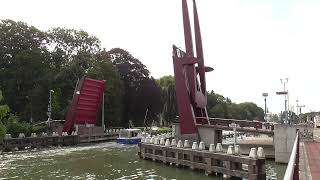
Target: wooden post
point(153, 154)
point(164, 155)
point(177, 158)
point(261, 169)
point(208, 165)
point(253, 172)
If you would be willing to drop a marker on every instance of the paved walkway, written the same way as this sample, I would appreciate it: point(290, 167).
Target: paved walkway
point(304, 170)
point(312, 151)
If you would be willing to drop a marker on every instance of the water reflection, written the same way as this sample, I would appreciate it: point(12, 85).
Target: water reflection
point(100, 161)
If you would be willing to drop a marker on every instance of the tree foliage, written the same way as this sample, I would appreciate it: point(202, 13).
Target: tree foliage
point(114, 88)
point(141, 92)
point(33, 62)
point(168, 99)
point(23, 59)
point(221, 107)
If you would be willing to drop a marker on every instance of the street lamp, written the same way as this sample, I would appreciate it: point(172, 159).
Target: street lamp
point(284, 81)
point(299, 106)
point(265, 95)
point(50, 105)
point(30, 101)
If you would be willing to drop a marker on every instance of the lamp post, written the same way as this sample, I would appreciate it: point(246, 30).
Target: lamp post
point(299, 108)
point(50, 105)
point(284, 81)
point(265, 95)
point(31, 112)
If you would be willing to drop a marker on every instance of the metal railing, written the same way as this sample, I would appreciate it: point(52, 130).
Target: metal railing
point(292, 171)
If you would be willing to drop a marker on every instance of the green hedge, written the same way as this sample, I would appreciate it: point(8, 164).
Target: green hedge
point(160, 130)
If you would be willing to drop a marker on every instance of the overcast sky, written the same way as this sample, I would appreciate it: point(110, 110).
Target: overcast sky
point(251, 44)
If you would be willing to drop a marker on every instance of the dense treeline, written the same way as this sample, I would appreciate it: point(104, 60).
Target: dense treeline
point(33, 62)
point(218, 106)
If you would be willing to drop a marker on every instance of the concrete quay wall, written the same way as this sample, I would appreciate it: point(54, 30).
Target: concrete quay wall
point(284, 136)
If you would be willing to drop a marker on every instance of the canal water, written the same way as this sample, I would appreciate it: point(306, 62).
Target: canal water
point(100, 161)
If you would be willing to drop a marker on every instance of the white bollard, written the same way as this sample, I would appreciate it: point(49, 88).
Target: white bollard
point(211, 148)
point(156, 141)
point(167, 135)
point(179, 145)
point(202, 146)
point(167, 144)
point(162, 141)
point(21, 135)
point(147, 141)
point(219, 147)
point(253, 153)
point(152, 140)
point(33, 135)
point(230, 150)
point(173, 142)
point(237, 150)
point(186, 144)
point(195, 146)
point(260, 153)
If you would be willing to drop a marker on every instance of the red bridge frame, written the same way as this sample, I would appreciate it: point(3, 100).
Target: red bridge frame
point(190, 80)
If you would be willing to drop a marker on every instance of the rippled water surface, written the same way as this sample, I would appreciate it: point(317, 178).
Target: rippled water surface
point(100, 161)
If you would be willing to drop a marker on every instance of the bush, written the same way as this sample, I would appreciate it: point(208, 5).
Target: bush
point(2, 131)
point(14, 127)
point(160, 130)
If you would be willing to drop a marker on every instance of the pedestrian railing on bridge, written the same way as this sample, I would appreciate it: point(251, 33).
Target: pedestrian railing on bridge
point(292, 172)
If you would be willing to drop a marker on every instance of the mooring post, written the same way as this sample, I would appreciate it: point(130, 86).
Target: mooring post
point(153, 154)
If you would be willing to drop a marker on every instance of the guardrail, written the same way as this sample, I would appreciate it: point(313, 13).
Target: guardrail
point(292, 171)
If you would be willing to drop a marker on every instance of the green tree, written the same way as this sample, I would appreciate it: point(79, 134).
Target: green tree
point(168, 99)
point(251, 111)
point(221, 107)
point(275, 118)
point(217, 106)
point(4, 111)
point(23, 66)
point(72, 54)
point(103, 69)
point(141, 92)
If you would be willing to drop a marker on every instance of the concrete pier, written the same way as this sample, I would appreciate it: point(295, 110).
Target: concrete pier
point(227, 164)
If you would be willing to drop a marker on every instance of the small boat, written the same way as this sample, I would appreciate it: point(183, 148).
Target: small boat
point(129, 136)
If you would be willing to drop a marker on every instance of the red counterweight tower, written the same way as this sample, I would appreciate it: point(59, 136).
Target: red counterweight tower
point(189, 71)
